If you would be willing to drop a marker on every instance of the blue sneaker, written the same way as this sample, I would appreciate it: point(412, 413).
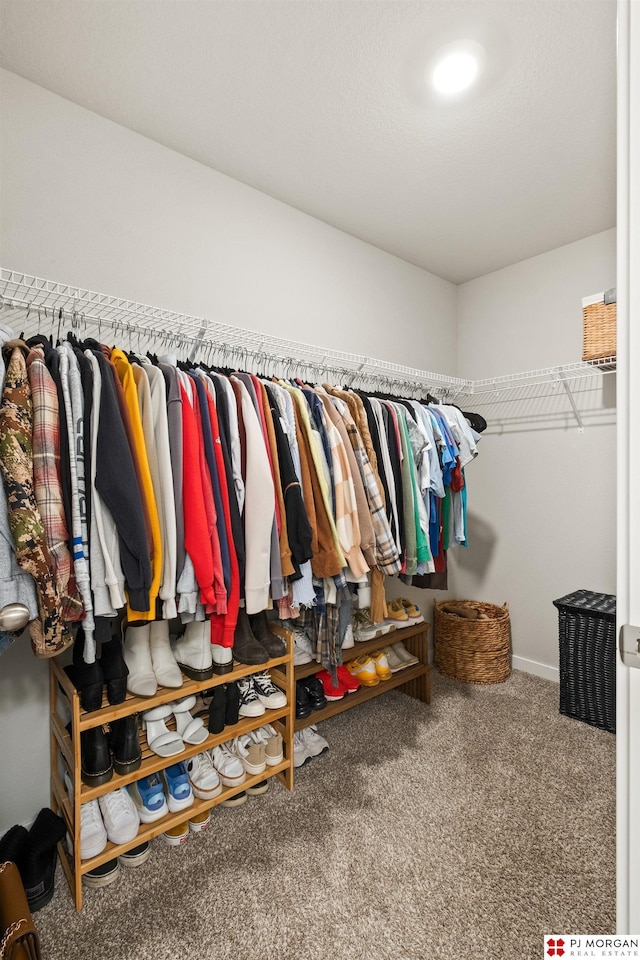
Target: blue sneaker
point(148, 796)
point(179, 792)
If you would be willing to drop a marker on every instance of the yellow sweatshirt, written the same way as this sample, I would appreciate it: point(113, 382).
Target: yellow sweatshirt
point(125, 375)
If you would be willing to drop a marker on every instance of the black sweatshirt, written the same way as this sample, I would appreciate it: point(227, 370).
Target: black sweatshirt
point(117, 484)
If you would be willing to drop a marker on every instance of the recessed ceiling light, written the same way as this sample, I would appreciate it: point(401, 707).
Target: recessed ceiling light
point(456, 66)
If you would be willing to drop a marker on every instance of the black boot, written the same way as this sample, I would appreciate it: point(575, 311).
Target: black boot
point(232, 705)
point(273, 644)
point(114, 669)
point(96, 764)
point(246, 648)
point(125, 744)
point(42, 853)
point(87, 678)
point(13, 846)
point(303, 704)
point(217, 710)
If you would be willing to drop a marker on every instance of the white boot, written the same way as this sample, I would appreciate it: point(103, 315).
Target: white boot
point(222, 658)
point(192, 650)
point(166, 669)
point(137, 656)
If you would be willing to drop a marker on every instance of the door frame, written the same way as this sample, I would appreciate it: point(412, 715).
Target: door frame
point(628, 463)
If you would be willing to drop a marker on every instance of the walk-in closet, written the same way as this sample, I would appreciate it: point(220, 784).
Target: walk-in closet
point(317, 460)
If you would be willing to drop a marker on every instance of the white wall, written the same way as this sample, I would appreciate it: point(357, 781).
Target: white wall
point(542, 496)
point(87, 202)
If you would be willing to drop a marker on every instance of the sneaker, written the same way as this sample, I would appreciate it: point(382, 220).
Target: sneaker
point(364, 669)
point(411, 610)
point(250, 753)
point(301, 752)
point(348, 641)
point(236, 801)
point(394, 661)
point(314, 742)
point(176, 836)
point(199, 821)
point(403, 654)
point(258, 788)
point(268, 694)
point(250, 704)
point(348, 680)
point(396, 614)
point(103, 875)
point(365, 629)
point(136, 856)
point(272, 740)
point(332, 691)
point(93, 836)
point(179, 792)
point(229, 767)
point(120, 816)
point(302, 647)
point(382, 664)
point(149, 799)
point(203, 777)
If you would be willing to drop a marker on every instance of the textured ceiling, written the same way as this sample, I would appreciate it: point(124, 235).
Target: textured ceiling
point(321, 104)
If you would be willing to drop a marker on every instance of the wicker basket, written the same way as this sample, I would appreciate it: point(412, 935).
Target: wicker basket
point(587, 624)
point(599, 327)
point(476, 651)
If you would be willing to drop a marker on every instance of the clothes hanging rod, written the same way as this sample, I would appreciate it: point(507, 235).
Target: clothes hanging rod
point(61, 302)
point(76, 305)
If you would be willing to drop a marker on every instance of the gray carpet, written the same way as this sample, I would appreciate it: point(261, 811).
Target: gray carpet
point(462, 831)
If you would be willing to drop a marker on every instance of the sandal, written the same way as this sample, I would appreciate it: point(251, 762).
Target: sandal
point(161, 740)
point(191, 729)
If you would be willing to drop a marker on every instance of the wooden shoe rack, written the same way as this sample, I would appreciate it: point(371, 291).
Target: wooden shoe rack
point(65, 749)
point(414, 681)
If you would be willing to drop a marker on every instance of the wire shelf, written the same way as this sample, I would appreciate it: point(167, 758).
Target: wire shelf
point(31, 296)
point(34, 296)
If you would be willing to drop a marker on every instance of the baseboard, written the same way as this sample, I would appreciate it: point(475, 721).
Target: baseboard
point(537, 669)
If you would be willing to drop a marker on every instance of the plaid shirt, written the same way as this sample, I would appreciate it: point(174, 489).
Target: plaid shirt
point(47, 487)
point(387, 554)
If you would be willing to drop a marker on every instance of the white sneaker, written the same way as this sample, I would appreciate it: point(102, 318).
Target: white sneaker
point(394, 661)
point(93, 836)
point(230, 768)
point(303, 648)
point(251, 753)
point(403, 654)
point(314, 742)
point(250, 705)
point(301, 751)
point(348, 641)
point(268, 694)
point(120, 816)
point(203, 777)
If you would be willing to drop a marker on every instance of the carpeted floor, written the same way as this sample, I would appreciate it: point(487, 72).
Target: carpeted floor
point(461, 831)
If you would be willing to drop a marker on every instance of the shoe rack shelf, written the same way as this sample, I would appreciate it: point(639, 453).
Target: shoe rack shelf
point(414, 680)
point(67, 748)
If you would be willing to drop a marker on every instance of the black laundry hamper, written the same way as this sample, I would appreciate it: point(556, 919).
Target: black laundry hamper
point(587, 623)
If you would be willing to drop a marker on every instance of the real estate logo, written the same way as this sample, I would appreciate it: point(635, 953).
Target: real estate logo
point(554, 947)
point(577, 947)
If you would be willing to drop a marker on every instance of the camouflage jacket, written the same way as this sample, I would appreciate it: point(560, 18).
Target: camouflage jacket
point(49, 634)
